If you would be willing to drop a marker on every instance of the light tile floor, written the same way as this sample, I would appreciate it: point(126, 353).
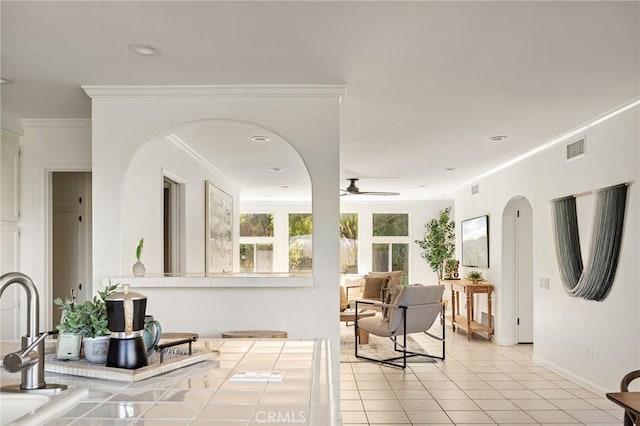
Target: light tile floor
point(479, 383)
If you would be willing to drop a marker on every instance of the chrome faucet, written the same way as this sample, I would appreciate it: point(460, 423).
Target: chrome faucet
point(30, 359)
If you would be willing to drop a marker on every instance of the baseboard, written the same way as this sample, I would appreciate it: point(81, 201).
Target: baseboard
point(500, 341)
point(570, 376)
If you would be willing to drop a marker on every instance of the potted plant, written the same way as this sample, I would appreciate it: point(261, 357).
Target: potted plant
point(138, 267)
point(475, 276)
point(70, 328)
point(438, 243)
point(95, 330)
point(451, 269)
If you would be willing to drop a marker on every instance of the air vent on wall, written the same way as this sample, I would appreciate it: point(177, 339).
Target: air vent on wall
point(576, 149)
point(475, 190)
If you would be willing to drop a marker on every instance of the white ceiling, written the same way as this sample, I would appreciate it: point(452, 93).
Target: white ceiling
point(428, 82)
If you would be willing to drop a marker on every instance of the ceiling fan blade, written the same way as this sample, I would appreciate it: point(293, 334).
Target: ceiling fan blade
point(377, 193)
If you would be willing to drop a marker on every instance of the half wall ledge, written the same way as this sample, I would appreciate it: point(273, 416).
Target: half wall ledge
point(223, 280)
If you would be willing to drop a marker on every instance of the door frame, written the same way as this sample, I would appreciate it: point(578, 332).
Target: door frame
point(510, 268)
point(47, 301)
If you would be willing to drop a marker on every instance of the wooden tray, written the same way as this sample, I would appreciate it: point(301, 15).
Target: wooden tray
point(173, 358)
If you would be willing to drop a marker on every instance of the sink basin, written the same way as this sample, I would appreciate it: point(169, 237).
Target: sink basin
point(33, 408)
point(15, 405)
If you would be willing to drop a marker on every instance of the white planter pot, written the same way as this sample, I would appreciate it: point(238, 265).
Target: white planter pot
point(96, 348)
point(68, 346)
point(139, 269)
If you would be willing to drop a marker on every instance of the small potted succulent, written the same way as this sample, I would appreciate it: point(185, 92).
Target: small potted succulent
point(138, 267)
point(95, 330)
point(475, 276)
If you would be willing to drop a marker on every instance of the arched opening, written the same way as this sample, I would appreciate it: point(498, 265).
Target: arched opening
point(517, 270)
point(218, 167)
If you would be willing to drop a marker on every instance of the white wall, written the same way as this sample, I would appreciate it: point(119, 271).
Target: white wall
point(142, 200)
point(564, 327)
point(47, 145)
point(306, 117)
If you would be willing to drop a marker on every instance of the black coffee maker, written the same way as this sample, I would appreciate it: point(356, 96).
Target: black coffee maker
point(125, 313)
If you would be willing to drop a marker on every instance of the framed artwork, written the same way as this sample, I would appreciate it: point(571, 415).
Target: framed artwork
point(218, 230)
point(475, 242)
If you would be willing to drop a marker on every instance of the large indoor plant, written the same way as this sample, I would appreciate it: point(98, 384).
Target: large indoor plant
point(95, 326)
point(438, 242)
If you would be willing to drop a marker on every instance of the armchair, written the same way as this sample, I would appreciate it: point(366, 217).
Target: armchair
point(413, 309)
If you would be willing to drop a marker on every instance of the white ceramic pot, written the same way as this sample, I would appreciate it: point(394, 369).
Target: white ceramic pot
point(139, 269)
point(96, 348)
point(68, 346)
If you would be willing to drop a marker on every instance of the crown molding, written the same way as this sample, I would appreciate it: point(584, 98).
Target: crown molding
point(55, 122)
point(209, 91)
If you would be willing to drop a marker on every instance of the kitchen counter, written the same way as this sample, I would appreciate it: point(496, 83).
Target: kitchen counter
point(202, 393)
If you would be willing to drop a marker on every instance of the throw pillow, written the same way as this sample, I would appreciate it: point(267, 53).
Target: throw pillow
point(391, 297)
point(343, 299)
point(373, 287)
point(394, 276)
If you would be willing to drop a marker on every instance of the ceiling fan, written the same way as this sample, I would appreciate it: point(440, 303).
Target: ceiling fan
point(352, 189)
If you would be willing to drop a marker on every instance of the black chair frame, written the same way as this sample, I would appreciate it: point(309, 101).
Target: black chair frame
point(403, 347)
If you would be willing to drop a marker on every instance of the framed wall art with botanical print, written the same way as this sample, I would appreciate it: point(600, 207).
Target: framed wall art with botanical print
point(219, 230)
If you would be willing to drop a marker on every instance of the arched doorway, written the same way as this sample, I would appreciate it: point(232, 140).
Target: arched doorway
point(517, 269)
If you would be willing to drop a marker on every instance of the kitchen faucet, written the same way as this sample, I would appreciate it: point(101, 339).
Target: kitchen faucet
point(30, 359)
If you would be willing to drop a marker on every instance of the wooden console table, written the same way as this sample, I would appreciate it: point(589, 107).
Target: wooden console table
point(466, 322)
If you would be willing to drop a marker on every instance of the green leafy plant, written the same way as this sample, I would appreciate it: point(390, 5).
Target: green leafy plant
point(475, 276)
point(94, 313)
point(139, 248)
point(438, 243)
point(88, 318)
point(71, 320)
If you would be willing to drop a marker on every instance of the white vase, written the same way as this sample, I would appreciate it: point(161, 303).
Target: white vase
point(139, 269)
point(96, 348)
point(68, 346)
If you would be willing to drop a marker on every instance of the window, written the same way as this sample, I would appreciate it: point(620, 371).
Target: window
point(349, 243)
point(300, 253)
point(391, 243)
point(256, 242)
point(387, 225)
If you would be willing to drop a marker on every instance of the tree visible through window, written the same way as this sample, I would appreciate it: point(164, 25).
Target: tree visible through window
point(390, 249)
point(300, 249)
point(256, 242)
point(349, 243)
point(387, 225)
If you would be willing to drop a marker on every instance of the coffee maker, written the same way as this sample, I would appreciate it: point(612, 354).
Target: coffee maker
point(125, 314)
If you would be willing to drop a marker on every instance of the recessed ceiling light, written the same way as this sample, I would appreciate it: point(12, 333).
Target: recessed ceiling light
point(450, 169)
point(499, 138)
point(145, 49)
point(275, 169)
point(5, 80)
point(260, 138)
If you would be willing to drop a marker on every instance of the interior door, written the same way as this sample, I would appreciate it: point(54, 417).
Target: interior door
point(524, 271)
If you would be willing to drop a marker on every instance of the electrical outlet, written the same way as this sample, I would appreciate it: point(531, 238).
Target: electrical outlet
point(590, 353)
point(544, 283)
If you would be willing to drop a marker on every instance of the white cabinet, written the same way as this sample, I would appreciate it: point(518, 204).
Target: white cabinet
point(9, 177)
point(9, 230)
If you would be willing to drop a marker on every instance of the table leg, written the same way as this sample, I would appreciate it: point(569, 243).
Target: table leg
point(489, 322)
point(363, 337)
point(469, 313)
point(453, 309)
